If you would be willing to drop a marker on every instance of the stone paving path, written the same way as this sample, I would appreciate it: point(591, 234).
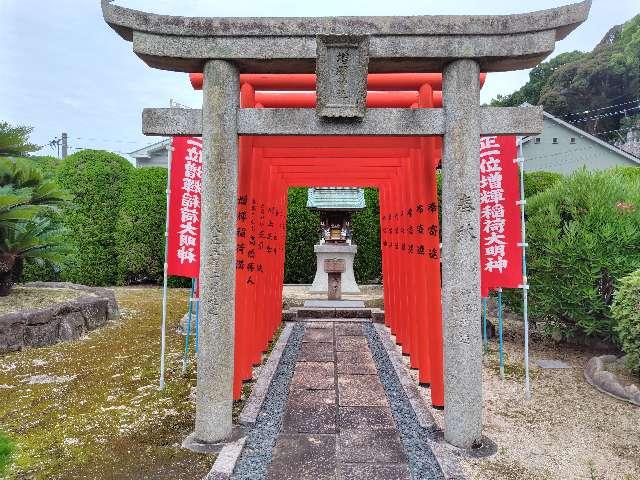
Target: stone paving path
point(337, 421)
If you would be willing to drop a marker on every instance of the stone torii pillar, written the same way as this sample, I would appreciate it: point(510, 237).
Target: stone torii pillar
point(342, 50)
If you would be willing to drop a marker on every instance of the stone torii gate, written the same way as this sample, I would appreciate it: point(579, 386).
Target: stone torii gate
point(342, 50)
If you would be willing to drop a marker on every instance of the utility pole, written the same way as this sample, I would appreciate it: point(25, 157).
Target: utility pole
point(65, 147)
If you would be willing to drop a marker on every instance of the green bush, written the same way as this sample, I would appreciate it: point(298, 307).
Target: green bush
point(6, 452)
point(536, 182)
point(628, 173)
point(626, 314)
point(303, 232)
point(96, 179)
point(583, 233)
point(367, 265)
point(140, 227)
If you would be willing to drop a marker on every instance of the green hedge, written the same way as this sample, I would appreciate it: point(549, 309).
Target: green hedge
point(6, 452)
point(584, 234)
point(303, 232)
point(140, 227)
point(536, 182)
point(626, 313)
point(97, 180)
point(367, 265)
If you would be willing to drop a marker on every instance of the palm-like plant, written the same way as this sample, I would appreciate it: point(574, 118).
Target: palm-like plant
point(25, 232)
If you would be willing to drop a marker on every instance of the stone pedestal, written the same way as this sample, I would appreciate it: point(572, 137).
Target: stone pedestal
point(329, 251)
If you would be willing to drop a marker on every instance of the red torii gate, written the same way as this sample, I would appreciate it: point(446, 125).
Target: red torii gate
point(401, 168)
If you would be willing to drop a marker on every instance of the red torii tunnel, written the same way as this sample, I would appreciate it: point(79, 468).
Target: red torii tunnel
point(403, 171)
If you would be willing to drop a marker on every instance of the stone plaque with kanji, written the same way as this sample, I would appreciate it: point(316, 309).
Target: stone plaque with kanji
point(341, 70)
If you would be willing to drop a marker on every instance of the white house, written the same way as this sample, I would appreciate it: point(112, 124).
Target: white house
point(563, 148)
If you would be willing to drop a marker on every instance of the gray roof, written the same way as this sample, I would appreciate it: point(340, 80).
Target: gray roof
point(336, 198)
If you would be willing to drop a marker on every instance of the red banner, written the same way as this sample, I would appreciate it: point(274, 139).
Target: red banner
point(185, 207)
point(500, 225)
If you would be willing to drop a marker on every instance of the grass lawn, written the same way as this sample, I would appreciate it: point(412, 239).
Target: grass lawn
point(91, 408)
point(6, 450)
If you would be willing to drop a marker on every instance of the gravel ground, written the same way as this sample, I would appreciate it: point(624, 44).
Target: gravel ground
point(568, 431)
point(422, 462)
point(256, 455)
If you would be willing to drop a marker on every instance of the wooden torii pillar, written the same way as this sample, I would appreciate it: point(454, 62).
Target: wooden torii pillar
point(342, 50)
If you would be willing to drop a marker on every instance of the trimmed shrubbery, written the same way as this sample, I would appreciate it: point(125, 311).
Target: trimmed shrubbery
point(97, 180)
point(536, 182)
point(367, 266)
point(303, 232)
point(6, 451)
point(626, 314)
point(140, 227)
point(584, 234)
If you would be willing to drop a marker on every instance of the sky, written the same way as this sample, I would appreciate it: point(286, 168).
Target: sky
point(62, 69)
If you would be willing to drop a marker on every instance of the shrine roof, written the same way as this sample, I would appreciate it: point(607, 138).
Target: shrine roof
point(336, 198)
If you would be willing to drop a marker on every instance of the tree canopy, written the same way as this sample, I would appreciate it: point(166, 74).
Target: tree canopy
point(582, 86)
point(14, 141)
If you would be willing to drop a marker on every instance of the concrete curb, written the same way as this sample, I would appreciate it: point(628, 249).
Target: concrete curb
point(225, 463)
point(448, 457)
point(598, 377)
point(258, 393)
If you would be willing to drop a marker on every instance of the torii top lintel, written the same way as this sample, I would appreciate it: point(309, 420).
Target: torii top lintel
point(396, 44)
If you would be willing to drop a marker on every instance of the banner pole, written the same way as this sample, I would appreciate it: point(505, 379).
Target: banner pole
point(163, 339)
point(485, 339)
point(197, 302)
point(185, 359)
point(500, 333)
point(525, 285)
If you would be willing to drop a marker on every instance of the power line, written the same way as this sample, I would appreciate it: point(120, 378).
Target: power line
point(601, 108)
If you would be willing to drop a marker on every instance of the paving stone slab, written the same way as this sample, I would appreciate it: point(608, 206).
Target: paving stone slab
point(351, 329)
point(313, 376)
point(318, 335)
point(318, 323)
point(316, 352)
point(356, 368)
point(351, 344)
point(361, 391)
point(366, 418)
point(360, 356)
point(362, 446)
point(310, 411)
point(303, 457)
point(373, 471)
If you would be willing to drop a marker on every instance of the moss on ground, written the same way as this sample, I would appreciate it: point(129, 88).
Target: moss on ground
point(22, 298)
point(103, 417)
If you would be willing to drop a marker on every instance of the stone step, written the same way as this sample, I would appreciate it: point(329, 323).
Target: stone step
point(305, 314)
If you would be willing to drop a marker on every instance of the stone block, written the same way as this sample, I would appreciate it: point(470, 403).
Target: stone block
point(310, 411)
point(341, 70)
point(289, 315)
point(355, 368)
point(72, 326)
point(303, 457)
point(377, 471)
point(361, 391)
point(313, 376)
point(349, 329)
point(351, 343)
point(353, 312)
point(363, 446)
point(42, 334)
point(366, 418)
point(318, 335)
point(12, 327)
point(316, 313)
point(316, 352)
point(94, 310)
